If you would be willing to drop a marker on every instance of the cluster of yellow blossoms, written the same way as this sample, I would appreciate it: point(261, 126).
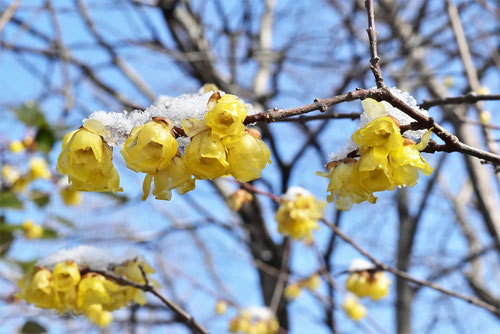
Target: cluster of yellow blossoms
point(31, 230)
point(354, 309)
point(65, 289)
point(294, 290)
point(220, 145)
point(254, 321)
point(364, 281)
point(387, 160)
point(18, 181)
point(298, 213)
point(368, 284)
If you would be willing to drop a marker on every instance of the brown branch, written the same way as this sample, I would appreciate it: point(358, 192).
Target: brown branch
point(404, 275)
point(184, 317)
point(467, 98)
point(372, 36)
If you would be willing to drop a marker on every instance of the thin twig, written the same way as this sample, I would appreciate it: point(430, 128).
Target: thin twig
point(404, 275)
point(148, 287)
point(467, 98)
point(372, 36)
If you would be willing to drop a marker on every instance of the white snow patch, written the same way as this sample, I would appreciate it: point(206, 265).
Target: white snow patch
point(93, 257)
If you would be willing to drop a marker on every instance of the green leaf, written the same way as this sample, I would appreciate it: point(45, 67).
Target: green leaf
point(119, 198)
point(32, 327)
point(6, 237)
point(9, 200)
point(26, 266)
point(45, 139)
point(64, 221)
point(40, 198)
point(49, 233)
point(31, 114)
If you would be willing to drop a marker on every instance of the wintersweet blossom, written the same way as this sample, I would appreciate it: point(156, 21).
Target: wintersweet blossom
point(298, 213)
point(387, 159)
point(70, 196)
point(16, 146)
point(206, 156)
point(39, 169)
point(86, 159)
point(247, 156)
point(254, 320)
point(353, 308)
point(32, 230)
point(365, 281)
point(61, 284)
point(150, 147)
point(175, 176)
point(226, 116)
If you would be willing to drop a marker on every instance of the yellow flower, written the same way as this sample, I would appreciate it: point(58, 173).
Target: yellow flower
point(292, 291)
point(98, 316)
point(10, 173)
point(382, 131)
point(483, 90)
point(343, 187)
point(247, 156)
point(174, 176)
point(71, 196)
point(358, 283)
point(372, 174)
point(16, 146)
point(379, 288)
point(353, 308)
point(65, 301)
point(227, 116)
point(31, 230)
point(406, 161)
point(39, 169)
point(66, 276)
point(236, 200)
point(220, 307)
point(312, 282)
point(485, 116)
point(150, 147)
point(130, 269)
point(205, 156)
point(38, 289)
point(239, 324)
point(92, 290)
point(448, 81)
point(86, 159)
point(298, 214)
point(363, 284)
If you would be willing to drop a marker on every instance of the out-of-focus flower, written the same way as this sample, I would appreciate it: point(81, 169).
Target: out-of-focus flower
point(485, 116)
point(227, 116)
point(150, 147)
point(254, 320)
point(39, 169)
point(32, 230)
point(364, 281)
point(483, 90)
point(86, 159)
point(298, 213)
point(37, 288)
point(70, 196)
point(236, 200)
point(448, 81)
point(16, 146)
point(10, 173)
point(98, 316)
point(247, 156)
point(220, 307)
point(353, 308)
point(292, 291)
